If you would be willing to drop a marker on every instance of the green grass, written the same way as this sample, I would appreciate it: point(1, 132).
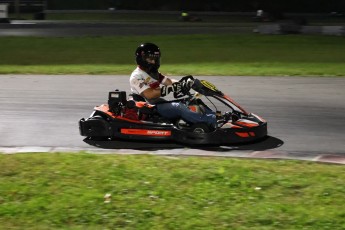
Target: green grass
point(65, 191)
point(290, 55)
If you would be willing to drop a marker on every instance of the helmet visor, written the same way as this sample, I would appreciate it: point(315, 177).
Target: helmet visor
point(152, 58)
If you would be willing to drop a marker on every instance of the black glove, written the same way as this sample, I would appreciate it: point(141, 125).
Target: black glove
point(187, 85)
point(185, 88)
point(175, 87)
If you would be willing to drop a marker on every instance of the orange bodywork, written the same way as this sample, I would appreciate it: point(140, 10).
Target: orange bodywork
point(192, 108)
point(140, 104)
point(238, 106)
point(105, 109)
point(246, 124)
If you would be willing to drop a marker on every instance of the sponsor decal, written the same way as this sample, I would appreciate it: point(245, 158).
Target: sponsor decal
point(147, 80)
point(158, 132)
point(209, 85)
point(147, 132)
point(134, 81)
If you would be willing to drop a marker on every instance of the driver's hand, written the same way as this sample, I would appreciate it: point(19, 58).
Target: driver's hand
point(175, 87)
point(178, 88)
point(186, 86)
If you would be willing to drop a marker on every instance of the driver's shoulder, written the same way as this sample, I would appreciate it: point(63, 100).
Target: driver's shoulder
point(139, 74)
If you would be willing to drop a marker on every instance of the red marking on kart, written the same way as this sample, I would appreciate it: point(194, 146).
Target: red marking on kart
point(245, 134)
point(238, 106)
point(146, 132)
point(105, 109)
point(141, 104)
point(192, 108)
point(246, 124)
point(242, 134)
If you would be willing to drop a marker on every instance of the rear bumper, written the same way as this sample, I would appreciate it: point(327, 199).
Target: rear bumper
point(94, 128)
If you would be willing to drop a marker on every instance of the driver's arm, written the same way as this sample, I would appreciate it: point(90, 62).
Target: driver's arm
point(168, 81)
point(155, 93)
point(150, 93)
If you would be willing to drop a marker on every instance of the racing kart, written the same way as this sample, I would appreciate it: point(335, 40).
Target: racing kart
point(132, 118)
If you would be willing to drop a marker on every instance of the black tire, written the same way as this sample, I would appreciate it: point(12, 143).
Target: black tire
point(200, 128)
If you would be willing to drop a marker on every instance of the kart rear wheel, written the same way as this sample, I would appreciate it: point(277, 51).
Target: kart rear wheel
point(200, 128)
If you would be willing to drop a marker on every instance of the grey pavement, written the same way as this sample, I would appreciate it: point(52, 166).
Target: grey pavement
point(40, 113)
point(305, 115)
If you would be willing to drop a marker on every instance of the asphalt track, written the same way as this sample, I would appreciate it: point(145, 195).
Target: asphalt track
point(40, 113)
point(305, 115)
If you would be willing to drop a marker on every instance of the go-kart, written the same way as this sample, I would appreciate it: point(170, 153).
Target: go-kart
point(132, 118)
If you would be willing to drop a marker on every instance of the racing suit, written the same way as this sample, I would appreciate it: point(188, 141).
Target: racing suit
point(140, 81)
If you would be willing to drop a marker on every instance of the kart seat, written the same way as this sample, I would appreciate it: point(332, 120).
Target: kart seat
point(146, 111)
point(139, 110)
point(145, 108)
point(141, 104)
point(137, 97)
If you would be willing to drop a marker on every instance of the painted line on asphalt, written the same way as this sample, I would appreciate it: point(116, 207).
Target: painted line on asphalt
point(267, 154)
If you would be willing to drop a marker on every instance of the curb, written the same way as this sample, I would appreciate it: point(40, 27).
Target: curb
point(222, 151)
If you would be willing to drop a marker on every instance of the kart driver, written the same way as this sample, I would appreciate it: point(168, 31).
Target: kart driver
point(149, 83)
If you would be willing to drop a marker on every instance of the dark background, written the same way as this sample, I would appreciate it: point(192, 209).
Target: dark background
point(296, 6)
point(205, 5)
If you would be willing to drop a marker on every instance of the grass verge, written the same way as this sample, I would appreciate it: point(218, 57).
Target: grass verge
point(65, 191)
point(255, 55)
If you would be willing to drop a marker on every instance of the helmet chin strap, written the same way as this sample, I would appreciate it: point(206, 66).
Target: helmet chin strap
point(153, 69)
point(153, 72)
point(154, 75)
